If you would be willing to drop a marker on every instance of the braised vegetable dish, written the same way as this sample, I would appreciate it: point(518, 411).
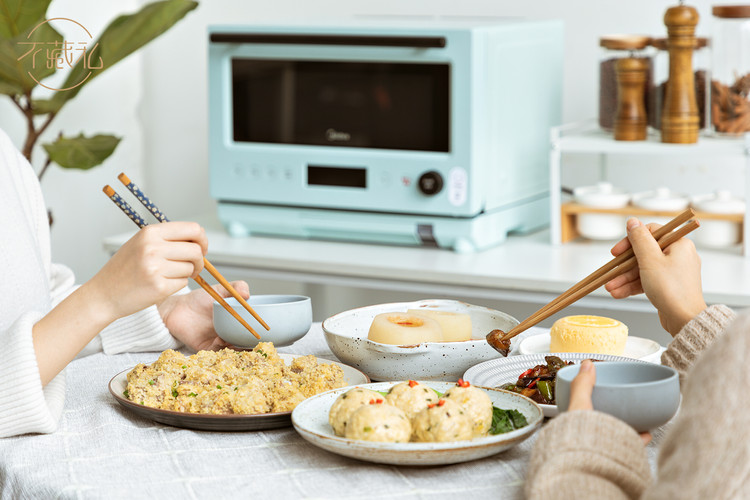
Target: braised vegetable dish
point(538, 383)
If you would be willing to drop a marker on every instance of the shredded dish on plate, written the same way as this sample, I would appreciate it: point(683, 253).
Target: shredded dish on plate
point(230, 382)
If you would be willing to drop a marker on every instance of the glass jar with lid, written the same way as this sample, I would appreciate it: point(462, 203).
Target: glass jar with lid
point(730, 85)
point(701, 67)
point(614, 48)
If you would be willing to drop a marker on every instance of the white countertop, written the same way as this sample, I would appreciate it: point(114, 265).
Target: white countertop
point(524, 267)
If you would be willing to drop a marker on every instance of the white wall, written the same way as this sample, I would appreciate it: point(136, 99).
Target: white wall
point(156, 100)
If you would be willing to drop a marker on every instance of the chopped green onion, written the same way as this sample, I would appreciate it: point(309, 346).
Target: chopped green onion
point(192, 394)
point(175, 393)
point(126, 393)
point(150, 382)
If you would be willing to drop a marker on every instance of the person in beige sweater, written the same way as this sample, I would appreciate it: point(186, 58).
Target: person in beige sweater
point(706, 452)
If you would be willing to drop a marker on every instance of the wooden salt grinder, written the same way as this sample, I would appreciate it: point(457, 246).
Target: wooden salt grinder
point(630, 118)
point(680, 118)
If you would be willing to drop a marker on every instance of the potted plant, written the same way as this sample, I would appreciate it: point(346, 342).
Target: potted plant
point(25, 33)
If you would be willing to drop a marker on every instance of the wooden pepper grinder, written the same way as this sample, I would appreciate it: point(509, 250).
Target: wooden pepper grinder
point(630, 119)
point(680, 118)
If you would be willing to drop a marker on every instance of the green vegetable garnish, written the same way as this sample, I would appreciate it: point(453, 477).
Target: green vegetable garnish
point(126, 393)
point(506, 420)
point(260, 351)
point(174, 393)
point(192, 394)
point(150, 382)
point(218, 387)
point(367, 429)
point(184, 366)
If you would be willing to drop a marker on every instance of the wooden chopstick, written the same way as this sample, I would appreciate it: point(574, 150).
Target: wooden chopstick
point(151, 207)
point(619, 260)
point(599, 278)
point(140, 222)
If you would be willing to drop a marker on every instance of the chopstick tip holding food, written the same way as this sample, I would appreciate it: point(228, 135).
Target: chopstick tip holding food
point(665, 236)
point(140, 222)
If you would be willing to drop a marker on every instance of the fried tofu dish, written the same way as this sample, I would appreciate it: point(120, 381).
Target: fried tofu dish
point(230, 382)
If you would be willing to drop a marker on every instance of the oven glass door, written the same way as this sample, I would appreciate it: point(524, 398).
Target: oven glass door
point(383, 105)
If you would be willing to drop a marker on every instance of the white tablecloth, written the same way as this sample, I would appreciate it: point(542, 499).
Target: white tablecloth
point(102, 450)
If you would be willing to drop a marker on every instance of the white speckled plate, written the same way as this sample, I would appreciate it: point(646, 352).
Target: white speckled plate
point(119, 382)
point(497, 372)
point(310, 419)
point(635, 347)
point(346, 334)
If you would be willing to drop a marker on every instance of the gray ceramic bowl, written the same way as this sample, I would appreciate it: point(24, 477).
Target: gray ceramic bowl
point(288, 316)
point(643, 395)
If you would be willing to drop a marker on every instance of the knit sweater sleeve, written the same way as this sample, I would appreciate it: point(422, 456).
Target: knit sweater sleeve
point(587, 454)
point(706, 453)
point(141, 331)
point(695, 337)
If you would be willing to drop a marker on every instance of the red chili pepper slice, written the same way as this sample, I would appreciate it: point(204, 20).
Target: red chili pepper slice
point(526, 373)
point(412, 383)
point(372, 401)
point(431, 405)
point(463, 383)
point(378, 401)
point(441, 402)
point(533, 383)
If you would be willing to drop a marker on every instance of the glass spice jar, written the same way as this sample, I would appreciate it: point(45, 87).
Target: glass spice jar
point(730, 85)
point(701, 65)
point(614, 48)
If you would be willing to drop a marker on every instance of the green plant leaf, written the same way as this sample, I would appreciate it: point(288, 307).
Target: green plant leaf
point(122, 37)
point(25, 55)
point(81, 152)
point(18, 16)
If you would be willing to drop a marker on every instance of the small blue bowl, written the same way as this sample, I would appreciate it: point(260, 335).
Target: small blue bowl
point(288, 316)
point(643, 395)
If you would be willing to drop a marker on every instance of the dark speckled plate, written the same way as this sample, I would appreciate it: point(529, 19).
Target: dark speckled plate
point(223, 423)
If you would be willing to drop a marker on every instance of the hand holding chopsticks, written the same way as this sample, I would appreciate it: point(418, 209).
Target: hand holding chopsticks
point(665, 236)
point(140, 222)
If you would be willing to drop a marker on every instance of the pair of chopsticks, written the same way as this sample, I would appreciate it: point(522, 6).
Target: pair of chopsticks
point(140, 222)
point(665, 236)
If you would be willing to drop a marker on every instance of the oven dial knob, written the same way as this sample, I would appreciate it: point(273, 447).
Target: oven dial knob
point(430, 183)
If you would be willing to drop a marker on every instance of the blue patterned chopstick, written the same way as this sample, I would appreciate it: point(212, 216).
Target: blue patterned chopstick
point(124, 206)
point(150, 206)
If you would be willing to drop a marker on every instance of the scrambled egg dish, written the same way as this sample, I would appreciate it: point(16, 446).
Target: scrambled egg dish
point(227, 381)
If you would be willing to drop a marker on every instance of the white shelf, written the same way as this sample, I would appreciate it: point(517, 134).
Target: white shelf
point(588, 138)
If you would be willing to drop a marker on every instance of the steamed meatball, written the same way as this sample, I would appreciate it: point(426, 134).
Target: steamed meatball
point(411, 397)
point(379, 422)
point(348, 403)
point(445, 421)
point(476, 404)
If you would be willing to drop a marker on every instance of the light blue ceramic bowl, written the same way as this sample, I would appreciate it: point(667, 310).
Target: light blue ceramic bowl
point(288, 316)
point(643, 395)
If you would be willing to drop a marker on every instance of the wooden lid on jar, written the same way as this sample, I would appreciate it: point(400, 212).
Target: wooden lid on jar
point(624, 42)
point(661, 43)
point(731, 11)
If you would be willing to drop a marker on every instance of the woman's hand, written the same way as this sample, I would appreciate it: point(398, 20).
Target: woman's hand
point(189, 317)
point(149, 267)
point(583, 386)
point(671, 279)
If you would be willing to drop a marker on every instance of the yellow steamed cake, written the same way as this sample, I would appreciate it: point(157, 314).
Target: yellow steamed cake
point(592, 334)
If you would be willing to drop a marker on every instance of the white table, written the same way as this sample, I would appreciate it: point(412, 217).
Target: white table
point(103, 451)
point(524, 268)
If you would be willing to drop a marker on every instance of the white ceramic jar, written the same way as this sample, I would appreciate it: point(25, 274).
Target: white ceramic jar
point(661, 199)
point(601, 226)
point(718, 233)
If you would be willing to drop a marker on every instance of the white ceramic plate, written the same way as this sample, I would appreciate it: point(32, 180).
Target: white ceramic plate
point(119, 382)
point(346, 334)
point(310, 419)
point(635, 347)
point(497, 372)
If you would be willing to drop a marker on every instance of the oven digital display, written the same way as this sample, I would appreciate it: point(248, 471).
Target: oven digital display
point(380, 105)
point(336, 176)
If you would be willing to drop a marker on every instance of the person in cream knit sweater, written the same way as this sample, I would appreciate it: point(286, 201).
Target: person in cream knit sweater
point(136, 302)
point(706, 452)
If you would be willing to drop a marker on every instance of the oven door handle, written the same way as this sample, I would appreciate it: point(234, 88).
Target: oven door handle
point(420, 42)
